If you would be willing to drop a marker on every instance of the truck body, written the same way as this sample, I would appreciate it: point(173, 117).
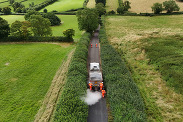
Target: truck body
point(95, 77)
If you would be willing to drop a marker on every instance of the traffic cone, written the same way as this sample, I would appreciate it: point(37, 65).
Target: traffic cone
point(96, 44)
point(91, 45)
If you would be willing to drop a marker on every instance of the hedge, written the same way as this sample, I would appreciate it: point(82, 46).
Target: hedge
point(36, 39)
point(70, 107)
point(124, 97)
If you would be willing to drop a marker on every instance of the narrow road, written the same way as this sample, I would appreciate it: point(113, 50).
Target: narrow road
point(97, 112)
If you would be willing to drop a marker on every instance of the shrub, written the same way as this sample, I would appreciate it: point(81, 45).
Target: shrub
point(70, 107)
point(53, 18)
point(69, 33)
point(100, 1)
point(125, 100)
point(157, 8)
point(121, 10)
point(170, 6)
point(45, 10)
point(111, 12)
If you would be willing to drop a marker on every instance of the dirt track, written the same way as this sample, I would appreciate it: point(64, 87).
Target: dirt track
point(97, 112)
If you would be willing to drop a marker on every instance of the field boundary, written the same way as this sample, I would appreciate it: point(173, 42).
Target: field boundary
point(46, 110)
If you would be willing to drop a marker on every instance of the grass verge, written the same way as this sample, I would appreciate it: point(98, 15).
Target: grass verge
point(26, 72)
point(70, 107)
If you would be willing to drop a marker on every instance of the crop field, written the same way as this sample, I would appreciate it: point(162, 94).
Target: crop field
point(91, 4)
point(64, 5)
point(152, 49)
point(68, 21)
point(26, 72)
point(145, 5)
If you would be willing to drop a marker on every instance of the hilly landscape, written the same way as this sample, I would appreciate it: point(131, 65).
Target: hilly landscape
point(46, 51)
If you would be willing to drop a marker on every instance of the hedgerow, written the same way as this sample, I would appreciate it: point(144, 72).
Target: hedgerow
point(36, 39)
point(70, 107)
point(125, 100)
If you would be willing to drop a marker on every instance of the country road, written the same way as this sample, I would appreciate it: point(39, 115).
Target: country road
point(98, 111)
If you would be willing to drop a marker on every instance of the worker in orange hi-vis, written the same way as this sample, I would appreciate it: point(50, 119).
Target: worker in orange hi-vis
point(101, 86)
point(91, 45)
point(96, 44)
point(103, 93)
point(90, 85)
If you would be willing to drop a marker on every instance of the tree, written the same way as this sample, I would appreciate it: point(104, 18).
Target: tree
point(126, 5)
point(88, 19)
point(40, 26)
point(6, 10)
point(100, 1)
point(157, 8)
point(0, 9)
point(17, 5)
point(100, 8)
point(170, 6)
point(53, 18)
point(4, 28)
point(31, 12)
point(11, 1)
point(69, 33)
point(121, 10)
point(20, 29)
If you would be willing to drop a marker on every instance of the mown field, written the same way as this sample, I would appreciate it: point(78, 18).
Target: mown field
point(64, 5)
point(152, 49)
point(68, 21)
point(26, 72)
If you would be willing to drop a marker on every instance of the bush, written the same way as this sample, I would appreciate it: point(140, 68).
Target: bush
point(53, 18)
point(121, 10)
point(125, 100)
point(70, 107)
point(111, 12)
point(157, 8)
point(69, 33)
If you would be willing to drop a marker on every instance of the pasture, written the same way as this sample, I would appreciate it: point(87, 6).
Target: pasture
point(68, 21)
point(146, 44)
point(25, 3)
point(26, 72)
point(64, 5)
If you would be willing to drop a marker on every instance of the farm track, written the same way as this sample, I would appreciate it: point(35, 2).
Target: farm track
point(98, 111)
point(47, 109)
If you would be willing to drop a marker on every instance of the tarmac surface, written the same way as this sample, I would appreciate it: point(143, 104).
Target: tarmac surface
point(98, 111)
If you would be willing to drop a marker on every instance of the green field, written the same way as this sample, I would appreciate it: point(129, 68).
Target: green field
point(152, 49)
point(26, 72)
point(68, 21)
point(64, 5)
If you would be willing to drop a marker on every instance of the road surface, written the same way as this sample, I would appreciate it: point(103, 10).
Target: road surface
point(98, 111)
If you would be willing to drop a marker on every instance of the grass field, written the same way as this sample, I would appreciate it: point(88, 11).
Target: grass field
point(91, 4)
point(26, 72)
point(64, 5)
point(138, 40)
point(68, 21)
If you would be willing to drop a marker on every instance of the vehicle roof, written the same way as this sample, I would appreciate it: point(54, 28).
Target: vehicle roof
point(95, 76)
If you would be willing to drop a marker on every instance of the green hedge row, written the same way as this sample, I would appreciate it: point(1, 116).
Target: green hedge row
point(36, 39)
point(70, 108)
point(125, 100)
